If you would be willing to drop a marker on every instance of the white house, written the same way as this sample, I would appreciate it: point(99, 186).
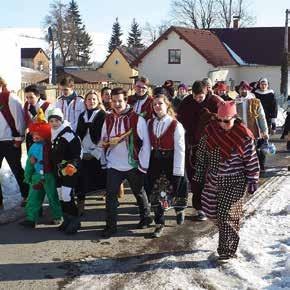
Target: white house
point(231, 55)
point(10, 60)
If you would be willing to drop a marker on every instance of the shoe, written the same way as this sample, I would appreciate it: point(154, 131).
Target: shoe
point(158, 231)
point(180, 217)
point(28, 224)
point(23, 202)
point(145, 222)
point(81, 207)
point(65, 222)
point(73, 226)
point(200, 216)
point(57, 222)
point(108, 232)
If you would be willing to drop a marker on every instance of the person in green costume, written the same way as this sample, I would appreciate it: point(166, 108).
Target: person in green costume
point(39, 175)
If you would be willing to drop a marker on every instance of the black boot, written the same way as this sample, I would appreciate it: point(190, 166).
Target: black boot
point(65, 222)
point(180, 217)
point(28, 224)
point(288, 145)
point(145, 222)
point(73, 226)
point(108, 232)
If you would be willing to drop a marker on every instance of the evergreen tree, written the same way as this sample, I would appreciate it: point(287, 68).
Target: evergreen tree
point(81, 41)
point(116, 36)
point(134, 38)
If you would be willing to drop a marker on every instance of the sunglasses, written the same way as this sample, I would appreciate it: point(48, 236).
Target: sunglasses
point(224, 121)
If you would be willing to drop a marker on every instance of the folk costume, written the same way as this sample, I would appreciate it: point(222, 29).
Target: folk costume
point(30, 113)
point(71, 106)
point(194, 117)
point(142, 105)
point(40, 176)
point(251, 112)
point(12, 131)
point(66, 156)
point(127, 151)
point(89, 129)
point(269, 103)
point(166, 171)
point(227, 164)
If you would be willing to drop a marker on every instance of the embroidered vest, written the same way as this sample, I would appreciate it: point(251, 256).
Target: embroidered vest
point(166, 140)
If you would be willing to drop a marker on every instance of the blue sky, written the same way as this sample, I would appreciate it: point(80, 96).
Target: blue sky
point(99, 15)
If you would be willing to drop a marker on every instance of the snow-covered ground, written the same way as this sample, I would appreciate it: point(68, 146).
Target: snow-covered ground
point(281, 116)
point(263, 259)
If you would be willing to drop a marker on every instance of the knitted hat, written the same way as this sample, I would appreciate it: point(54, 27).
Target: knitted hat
point(227, 109)
point(245, 85)
point(221, 87)
point(40, 126)
point(184, 86)
point(55, 113)
point(263, 80)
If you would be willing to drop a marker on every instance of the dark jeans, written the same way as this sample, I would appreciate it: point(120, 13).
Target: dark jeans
point(13, 158)
point(136, 181)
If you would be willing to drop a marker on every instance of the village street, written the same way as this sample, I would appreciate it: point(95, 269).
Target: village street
point(46, 259)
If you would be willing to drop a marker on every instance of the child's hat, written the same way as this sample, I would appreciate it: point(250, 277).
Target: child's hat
point(40, 126)
point(55, 113)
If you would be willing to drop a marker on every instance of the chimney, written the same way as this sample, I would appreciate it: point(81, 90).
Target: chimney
point(236, 22)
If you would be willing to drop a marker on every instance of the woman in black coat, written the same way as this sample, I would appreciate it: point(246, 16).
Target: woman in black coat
point(89, 128)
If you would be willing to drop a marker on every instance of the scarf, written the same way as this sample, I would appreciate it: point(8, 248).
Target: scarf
point(227, 141)
point(54, 133)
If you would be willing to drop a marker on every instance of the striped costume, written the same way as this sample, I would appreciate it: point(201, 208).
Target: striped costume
point(226, 161)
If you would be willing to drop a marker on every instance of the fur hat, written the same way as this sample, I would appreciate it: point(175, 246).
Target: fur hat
point(55, 113)
point(227, 109)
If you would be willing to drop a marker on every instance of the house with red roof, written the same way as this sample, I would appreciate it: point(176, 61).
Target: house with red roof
point(184, 55)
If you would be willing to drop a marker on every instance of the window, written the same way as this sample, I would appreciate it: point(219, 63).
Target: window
point(174, 56)
point(117, 61)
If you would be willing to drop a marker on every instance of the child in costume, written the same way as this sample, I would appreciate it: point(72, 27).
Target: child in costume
point(66, 157)
point(39, 174)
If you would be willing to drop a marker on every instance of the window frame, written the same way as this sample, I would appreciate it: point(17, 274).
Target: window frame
point(175, 50)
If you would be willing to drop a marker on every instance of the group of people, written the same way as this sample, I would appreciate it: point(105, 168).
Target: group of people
point(164, 145)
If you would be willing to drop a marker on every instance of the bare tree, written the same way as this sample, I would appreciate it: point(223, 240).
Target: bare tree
point(229, 8)
point(152, 32)
point(195, 13)
point(57, 20)
point(205, 14)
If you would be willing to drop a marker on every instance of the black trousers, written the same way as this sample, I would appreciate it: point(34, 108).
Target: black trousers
point(92, 177)
point(13, 157)
point(136, 181)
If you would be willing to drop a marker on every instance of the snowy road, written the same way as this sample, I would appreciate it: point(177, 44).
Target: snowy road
point(263, 259)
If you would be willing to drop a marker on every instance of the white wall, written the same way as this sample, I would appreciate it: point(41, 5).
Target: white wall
point(155, 64)
point(10, 60)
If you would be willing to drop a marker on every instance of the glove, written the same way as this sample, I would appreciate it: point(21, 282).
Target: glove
point(252, 187)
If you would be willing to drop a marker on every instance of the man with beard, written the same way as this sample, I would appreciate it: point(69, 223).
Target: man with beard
point(194, 113)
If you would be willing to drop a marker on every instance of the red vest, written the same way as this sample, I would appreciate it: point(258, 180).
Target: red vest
point(166, 140)
point(27, 116)
point(130, 120)
point(146, 108)
point(5, 110)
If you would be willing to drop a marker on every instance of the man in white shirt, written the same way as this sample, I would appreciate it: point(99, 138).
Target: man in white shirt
point(127, 152)
point(12, 130)
point(70, 103)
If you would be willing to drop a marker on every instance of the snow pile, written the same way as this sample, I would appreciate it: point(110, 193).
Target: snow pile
point(10, 188)
point(281, 117)
point(264, 250)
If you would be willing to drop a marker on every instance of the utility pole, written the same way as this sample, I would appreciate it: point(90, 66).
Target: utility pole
point(285, 61)
point(52, 69)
